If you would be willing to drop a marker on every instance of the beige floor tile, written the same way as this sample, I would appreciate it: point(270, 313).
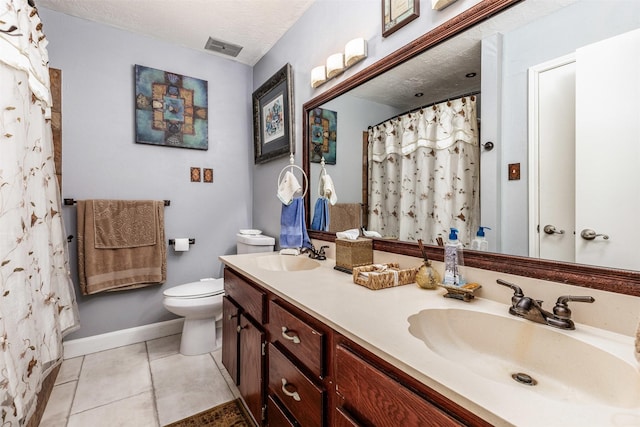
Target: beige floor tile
point(112, 375)
point(135, 411)
point(217, 357)
point(163, 347)
point(186, 385)
point(59, 405)
point(70, 370)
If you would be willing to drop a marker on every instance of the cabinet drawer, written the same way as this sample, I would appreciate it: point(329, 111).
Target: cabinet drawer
point(298, 393)
point(374, 398)
point(251, 299)
point(276, 415)
point(304, 342)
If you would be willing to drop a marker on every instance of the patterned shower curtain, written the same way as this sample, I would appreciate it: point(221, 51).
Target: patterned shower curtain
point(424, 173)
point(37, 301)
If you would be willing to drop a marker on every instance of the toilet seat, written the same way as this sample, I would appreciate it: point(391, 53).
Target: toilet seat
point(200, 289)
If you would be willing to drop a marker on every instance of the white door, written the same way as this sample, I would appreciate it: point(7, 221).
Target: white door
point(552, 154)
point(608, 125)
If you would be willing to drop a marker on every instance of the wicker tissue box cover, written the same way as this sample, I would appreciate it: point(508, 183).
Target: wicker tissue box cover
point(354, 253)
point(385, 277)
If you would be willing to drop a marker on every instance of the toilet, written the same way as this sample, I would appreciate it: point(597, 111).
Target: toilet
point(254, 243)
point(200, 303)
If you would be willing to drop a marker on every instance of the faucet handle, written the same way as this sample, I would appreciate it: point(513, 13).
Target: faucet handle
point(562, 311)
point(517, 291)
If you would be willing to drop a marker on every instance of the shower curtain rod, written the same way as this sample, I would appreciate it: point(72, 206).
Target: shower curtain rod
point(477, 92)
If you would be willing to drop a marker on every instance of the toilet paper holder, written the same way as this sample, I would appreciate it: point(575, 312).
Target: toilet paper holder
point(173, 242)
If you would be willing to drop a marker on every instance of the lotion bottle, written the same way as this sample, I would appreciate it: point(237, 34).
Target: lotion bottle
point(480, 243)
point(453, 260)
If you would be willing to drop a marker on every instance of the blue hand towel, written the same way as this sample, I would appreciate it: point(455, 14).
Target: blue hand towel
point(321, 215)
point(293, 231)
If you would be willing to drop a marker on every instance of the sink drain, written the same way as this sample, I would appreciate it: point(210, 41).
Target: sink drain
point(523, 378)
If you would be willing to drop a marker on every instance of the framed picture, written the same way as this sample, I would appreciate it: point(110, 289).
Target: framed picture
point(273, 117)
point(398, 13)
point(171, 109)
point(323, 133)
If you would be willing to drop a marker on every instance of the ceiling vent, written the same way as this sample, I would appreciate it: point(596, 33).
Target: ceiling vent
point(223, 47)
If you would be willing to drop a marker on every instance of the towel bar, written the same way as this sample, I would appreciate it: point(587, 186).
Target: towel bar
point(71, 202)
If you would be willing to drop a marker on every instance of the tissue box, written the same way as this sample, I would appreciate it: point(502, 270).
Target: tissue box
point(353, 253)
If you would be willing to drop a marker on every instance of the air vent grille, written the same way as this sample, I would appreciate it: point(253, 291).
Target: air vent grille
point(223, 47)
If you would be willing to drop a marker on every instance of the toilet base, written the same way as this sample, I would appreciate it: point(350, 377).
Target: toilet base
point(198, 336)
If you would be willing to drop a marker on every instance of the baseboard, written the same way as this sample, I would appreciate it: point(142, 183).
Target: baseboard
point(93, 344)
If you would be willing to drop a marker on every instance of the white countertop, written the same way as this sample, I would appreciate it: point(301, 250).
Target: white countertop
point(377, 320)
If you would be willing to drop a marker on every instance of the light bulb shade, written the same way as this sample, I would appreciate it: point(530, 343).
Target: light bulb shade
point(335, 65)
point(355, 51)
point(318, 76)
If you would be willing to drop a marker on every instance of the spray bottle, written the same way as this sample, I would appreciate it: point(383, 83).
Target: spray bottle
point(480, 243)
point(453, 260)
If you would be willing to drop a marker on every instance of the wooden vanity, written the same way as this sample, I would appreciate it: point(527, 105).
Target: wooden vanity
point(294, 370)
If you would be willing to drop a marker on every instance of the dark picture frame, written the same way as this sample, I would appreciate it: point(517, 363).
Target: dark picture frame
point(398, 13)
point(273, 124)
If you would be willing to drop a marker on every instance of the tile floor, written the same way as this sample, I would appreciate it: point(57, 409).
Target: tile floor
point(139, 385)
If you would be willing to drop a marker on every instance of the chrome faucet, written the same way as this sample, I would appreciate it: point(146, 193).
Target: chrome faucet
point(531, 309)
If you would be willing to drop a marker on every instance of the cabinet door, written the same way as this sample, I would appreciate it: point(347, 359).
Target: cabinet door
point(373, 398)
point(251, 367)
point(230, 313)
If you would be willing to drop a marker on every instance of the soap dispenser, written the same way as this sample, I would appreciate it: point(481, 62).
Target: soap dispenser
point(480, 243)
point(453, 260)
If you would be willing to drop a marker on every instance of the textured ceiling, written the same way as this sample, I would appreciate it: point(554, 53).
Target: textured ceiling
point(440, 72)
point(254, 24)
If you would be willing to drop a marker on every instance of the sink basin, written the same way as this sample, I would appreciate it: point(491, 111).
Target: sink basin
point(286, 263)
point(500, 347)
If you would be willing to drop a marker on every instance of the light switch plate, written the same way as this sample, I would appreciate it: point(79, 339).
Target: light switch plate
point(514, 171)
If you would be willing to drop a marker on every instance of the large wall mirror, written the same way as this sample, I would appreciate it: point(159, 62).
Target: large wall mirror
point(496, 52)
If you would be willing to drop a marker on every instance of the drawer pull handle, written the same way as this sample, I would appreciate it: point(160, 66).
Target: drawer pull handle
point(294, 394)
point(232, 316)
point(293, 338)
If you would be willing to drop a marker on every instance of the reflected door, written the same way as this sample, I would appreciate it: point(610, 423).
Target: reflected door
point(556, 153)
point(608, 152)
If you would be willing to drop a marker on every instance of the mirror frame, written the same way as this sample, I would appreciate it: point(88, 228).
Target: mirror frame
point(612, 280)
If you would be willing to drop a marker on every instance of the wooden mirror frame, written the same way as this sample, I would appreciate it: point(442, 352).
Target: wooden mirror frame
point(607, 279)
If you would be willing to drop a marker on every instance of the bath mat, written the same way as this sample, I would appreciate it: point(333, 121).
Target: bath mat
point(229, 414)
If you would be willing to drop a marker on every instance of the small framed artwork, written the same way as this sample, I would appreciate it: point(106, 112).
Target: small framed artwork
point(398, 13)
point(323, 133)
point(273, 117)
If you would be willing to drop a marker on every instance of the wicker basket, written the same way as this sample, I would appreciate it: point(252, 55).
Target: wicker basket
point(353, 253)
point(385, 279)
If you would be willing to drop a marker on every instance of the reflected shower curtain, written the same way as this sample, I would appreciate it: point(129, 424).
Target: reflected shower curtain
point(424, 173)
point(37, 302)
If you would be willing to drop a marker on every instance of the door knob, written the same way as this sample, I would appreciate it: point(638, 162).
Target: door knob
point(589, 234)
point(551, 229)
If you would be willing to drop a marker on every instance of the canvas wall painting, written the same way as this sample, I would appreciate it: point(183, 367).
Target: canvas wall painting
point(171, 109)
point(323, 128)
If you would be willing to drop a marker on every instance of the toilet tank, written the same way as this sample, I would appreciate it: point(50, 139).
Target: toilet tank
point(249, 244)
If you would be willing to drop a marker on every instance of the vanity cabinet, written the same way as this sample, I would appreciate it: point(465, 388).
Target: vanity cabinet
point(294, 370)
point(244, 339)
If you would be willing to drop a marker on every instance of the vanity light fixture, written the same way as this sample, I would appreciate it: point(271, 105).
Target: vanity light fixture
point(354, 52)
point(318, 76)
point(335, 65)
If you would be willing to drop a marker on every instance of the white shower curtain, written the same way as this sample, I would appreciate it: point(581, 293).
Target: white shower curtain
point(424, 173)
point(37, 302)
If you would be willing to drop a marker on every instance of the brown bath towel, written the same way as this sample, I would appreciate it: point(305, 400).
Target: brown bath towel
point(344, 216)
point(120, 244)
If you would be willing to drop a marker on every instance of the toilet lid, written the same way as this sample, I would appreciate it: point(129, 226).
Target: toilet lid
point(204, 288)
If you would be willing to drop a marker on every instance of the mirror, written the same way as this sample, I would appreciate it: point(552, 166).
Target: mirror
point(464, 31)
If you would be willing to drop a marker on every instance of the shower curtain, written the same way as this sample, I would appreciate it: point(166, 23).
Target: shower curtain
point(37, 301)
point(424, 173)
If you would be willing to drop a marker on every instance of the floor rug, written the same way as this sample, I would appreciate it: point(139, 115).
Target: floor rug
point(229, 414)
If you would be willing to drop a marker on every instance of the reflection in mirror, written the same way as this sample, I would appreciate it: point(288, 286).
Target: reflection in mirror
point(495, 57)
